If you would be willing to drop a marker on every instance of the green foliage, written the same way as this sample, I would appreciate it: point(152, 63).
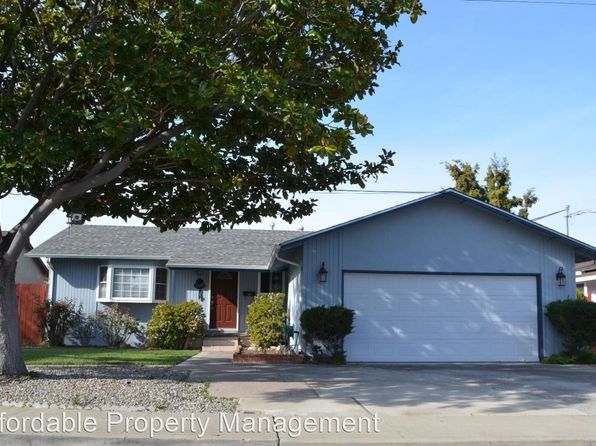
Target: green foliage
point(116, 326)
point(579, 294)
point(266, 320)
point(325, 329)
point(172, 324)
point(55, 319)
point(583, 357)
point(83, 329)
point(192, 111)
point(497, 187)
point(575, 320)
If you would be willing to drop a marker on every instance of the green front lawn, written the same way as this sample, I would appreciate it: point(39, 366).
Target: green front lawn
point(103, 356)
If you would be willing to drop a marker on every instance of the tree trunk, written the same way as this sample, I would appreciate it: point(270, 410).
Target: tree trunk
point(11, 355)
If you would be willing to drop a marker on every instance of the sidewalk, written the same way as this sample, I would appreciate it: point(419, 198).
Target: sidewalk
point(405, 430)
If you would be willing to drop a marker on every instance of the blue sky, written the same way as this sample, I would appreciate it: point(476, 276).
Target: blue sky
point(476, 78)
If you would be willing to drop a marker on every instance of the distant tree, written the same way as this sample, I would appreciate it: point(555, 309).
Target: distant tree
point(497, 185)
point(217, 112)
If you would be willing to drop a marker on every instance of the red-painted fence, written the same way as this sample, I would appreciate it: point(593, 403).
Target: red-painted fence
point(28, 297)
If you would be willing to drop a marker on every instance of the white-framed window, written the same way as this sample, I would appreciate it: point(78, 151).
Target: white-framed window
point(123, 283)
point(102, 288)
point(272, 282)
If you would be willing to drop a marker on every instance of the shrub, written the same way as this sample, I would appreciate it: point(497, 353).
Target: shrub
point(583, 357)
point(83, 329)
point(115, 326)
point(266, 320)
point(325, 329)
point(55, 319)
point(172, 324)
point(575, 320)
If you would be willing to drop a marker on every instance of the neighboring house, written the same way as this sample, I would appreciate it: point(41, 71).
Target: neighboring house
point(30, 270)
point(585, 278)
point(443, 278)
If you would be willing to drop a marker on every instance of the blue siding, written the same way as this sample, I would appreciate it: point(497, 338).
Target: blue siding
point(441, 235)
point(248, 281)
point(76, 280)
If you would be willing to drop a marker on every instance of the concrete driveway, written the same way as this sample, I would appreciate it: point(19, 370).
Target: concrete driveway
point(396, 390)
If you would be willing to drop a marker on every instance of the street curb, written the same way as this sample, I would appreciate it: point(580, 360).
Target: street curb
point(39, 440)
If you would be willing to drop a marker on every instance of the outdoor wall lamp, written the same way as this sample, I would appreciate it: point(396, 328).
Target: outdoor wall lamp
point(200, 285)
point(322, 273)
point(561, 277)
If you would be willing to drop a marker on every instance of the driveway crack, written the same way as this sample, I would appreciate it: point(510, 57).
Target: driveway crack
point(363, 407)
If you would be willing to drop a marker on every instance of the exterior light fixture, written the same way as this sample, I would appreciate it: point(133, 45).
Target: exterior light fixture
point(561, 277)
point(322, 273)
point(200, 285)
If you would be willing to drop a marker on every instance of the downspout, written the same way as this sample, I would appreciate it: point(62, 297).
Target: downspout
point(289, 262)
point(51, 280)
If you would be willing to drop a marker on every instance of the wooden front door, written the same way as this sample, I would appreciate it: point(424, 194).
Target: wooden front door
point(224, 299)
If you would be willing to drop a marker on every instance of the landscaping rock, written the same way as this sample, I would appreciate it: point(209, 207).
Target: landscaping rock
point(142, 388)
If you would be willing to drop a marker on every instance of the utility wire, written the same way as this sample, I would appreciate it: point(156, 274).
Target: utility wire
point(535, 2)
point(369, 191)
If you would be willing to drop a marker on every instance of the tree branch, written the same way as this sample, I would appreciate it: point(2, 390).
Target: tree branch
point(46, 205)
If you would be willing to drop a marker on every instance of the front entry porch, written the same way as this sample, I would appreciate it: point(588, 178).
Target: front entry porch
point(224, 294)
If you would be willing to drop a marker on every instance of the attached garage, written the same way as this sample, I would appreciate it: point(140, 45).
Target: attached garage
point(442, 318)
point(445, 278)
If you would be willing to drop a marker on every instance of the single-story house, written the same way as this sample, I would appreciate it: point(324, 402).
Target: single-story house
point(585, 278)
point(439, 279)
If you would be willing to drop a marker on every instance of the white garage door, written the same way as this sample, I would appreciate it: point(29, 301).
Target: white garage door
point(441, 318)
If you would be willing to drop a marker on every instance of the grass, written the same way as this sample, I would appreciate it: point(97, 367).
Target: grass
point(103, 356)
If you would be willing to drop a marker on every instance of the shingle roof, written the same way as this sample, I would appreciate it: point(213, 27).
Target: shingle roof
point(188, 247)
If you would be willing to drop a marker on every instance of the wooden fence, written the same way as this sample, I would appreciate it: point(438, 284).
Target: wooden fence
point(28, 297)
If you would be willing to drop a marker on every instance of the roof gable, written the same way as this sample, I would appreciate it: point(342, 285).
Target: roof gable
point(583, 250)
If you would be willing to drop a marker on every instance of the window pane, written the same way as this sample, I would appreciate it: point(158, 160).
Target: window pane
point(102, 290)
point(265, 282)
point(277, 282)
point(161, 275)
point(103, 274)
point(131, 283)
point(160, 291)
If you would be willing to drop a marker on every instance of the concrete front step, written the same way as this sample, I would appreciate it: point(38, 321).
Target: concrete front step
point(220, 344)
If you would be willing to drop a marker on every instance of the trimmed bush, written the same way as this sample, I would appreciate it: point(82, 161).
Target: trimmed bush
point(172, 324)
point(83, 329)
point(575, 320)
point(55, 319)
point(266, 320)
point(325, 329)
point(116, 326)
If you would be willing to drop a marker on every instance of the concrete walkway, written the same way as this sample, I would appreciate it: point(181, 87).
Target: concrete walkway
point(413, 404)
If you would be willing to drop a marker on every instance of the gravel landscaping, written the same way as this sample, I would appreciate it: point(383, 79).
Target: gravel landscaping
point(142, 388)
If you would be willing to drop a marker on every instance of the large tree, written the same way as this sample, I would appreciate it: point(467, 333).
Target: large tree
point(496, 189)
point(211, 111)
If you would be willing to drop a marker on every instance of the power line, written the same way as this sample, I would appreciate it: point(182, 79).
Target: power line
point(369, 191)
point(535, 2)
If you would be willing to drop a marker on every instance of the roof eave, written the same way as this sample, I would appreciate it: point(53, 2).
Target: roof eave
point(217, 267)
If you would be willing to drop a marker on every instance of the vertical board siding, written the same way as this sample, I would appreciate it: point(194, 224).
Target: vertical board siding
point(248, 282)
point(325, 248)
point(76, 280)
point(29, 297)
point(442, 235)
point(183, 287)
point(555, 255)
